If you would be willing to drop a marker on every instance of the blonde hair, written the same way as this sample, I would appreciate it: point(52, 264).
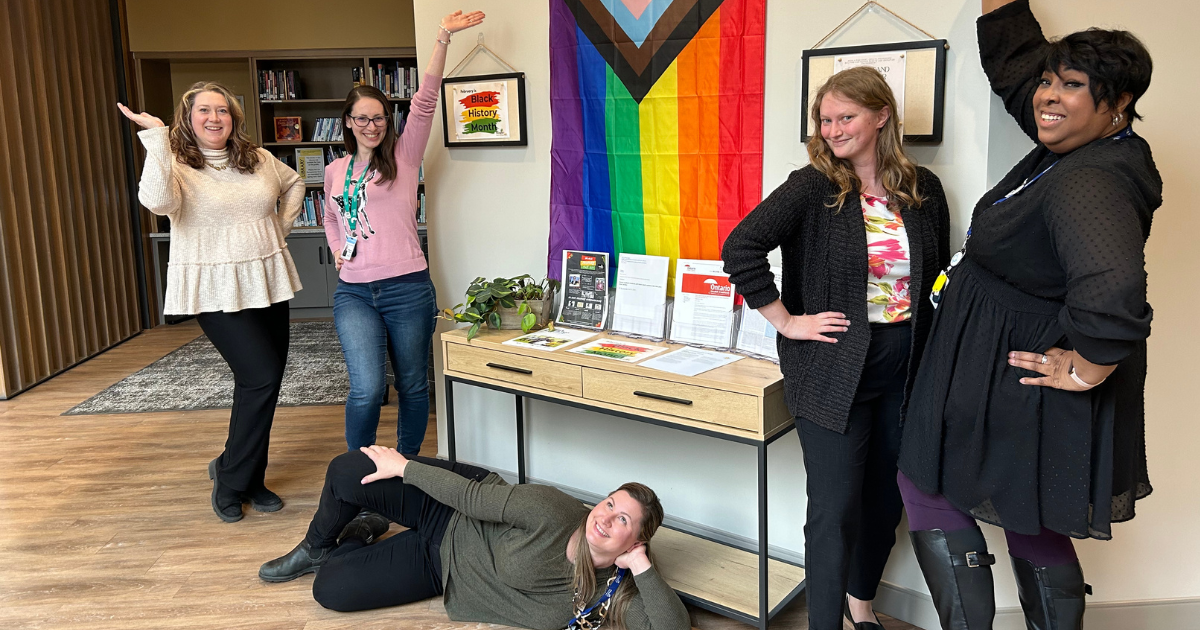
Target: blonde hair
point(243, 154)
point(897, 173)
point(584, 579)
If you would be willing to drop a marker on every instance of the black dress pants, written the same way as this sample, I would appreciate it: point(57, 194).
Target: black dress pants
point(254, 342)
point(854, 504)
point(398, 570)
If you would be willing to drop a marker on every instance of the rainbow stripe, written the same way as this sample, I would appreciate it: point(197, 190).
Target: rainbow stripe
point(657, 147)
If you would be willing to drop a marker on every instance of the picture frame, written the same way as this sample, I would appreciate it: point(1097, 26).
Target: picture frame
point(493, 117)
point(923, 106)
point(287, 129)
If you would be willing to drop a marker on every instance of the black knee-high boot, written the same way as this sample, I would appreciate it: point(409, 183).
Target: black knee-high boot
point(1052, 597)
point(957, 568)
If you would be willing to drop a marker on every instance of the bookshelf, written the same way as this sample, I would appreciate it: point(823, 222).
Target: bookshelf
point(304, 84)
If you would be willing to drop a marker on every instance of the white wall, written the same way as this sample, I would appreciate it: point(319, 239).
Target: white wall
point(488, 213)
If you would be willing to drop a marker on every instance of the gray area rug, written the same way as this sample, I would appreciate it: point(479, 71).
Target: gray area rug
point(196, 377)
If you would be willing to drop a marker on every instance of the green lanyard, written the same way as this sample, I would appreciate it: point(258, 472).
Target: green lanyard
point(351, 205)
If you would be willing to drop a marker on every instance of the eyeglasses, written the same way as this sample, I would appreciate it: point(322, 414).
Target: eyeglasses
point(363, 121)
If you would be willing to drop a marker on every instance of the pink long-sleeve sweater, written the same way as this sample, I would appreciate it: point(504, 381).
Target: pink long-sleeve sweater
point(388, 244)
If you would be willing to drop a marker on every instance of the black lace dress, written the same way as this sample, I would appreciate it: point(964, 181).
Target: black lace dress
point(1059, 264)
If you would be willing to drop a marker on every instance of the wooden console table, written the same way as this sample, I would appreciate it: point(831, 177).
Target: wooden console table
point(741, 402)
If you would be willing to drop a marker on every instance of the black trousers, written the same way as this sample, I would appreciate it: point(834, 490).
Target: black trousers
point(854, 504)
point(254, 342)
point(398, 570)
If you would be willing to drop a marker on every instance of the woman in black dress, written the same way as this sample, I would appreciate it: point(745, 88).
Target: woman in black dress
point(1027, 410)
point(863, 232)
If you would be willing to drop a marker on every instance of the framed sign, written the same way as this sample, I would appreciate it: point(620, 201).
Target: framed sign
point(916, 72)
point(484, 110)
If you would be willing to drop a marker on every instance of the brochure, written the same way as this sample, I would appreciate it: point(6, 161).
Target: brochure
point(690, 361)
point(703, 312)
point(640, 305)
point(550, 340)
point(619, 349)
point(756, 335)
point(585, 290)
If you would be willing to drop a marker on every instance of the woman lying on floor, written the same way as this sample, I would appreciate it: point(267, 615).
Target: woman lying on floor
point(526, 555)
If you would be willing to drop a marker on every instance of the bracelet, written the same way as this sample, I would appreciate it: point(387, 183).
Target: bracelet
point(1081, 382)
point(444, 43)
point(448, 33)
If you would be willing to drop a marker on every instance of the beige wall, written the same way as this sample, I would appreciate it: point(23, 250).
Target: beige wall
point(505, 225)
point(214, 25)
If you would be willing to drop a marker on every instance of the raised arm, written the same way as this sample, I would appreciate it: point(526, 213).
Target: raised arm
point(158, 189)
point(412, 142)
point(1012, 50)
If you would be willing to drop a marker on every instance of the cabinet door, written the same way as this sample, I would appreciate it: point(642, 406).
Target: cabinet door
point(331, 274)
point(311, 264)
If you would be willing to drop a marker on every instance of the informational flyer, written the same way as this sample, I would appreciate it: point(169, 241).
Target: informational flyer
point(640, 304)
point(550, 340)
point(480, 110)
point(690, 361)
point(619, 349)
point(890, 64)
point(756, 335)
point(703, 312)
point(585, 290)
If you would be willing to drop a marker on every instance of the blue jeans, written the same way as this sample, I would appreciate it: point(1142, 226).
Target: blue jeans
point(377, 320)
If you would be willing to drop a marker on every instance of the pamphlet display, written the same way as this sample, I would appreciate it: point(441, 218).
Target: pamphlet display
point(585, 290)
point(756, 335)
point(640, 305)
point(690, 361)
point(619, 349)
point(703, 312)
point(550, 340)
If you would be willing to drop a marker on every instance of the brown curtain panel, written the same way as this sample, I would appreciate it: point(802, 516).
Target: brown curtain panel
point(68, 286)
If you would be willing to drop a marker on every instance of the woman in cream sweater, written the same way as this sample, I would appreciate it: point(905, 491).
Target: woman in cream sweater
point(229, 266)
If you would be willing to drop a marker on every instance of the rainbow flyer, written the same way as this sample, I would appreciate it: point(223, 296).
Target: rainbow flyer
point(619, 349)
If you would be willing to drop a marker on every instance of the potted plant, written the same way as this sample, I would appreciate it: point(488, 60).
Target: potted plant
point(505, 303)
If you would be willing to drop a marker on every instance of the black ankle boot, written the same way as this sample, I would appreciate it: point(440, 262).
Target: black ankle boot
point(957, 568)
point(225, 502)
point(263, 500)
point(303, 559)
point(1052, 597)
point(367, 525)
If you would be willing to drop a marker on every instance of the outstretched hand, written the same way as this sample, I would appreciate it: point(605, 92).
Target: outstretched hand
point(635, 559)
point(458, 20)
point(388, 463)
point(143, 120)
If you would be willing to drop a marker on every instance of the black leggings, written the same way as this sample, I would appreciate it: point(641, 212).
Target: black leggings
point(254, 342)
point(402, 569)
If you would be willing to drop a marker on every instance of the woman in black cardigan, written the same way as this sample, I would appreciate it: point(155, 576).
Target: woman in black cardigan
point(1027, 411)
point(863, 232)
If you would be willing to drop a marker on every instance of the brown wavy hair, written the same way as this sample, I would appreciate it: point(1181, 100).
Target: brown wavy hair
point(243, 154)
point(584, 580)
point(896, 171)
point(383, 159)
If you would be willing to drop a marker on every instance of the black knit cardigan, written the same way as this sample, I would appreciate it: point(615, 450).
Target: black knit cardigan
point(825, 269)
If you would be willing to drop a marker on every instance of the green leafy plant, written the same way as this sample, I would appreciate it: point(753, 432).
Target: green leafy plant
point(486, 297)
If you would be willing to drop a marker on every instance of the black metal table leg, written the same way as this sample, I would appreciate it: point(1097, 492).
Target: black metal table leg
point(520, 439)
point(450, 419)
point(764, 556)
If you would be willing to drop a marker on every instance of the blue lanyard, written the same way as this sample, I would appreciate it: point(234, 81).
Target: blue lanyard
point(608, 593)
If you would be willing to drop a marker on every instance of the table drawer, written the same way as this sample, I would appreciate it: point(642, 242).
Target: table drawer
point(676, 399)
point(514, 368)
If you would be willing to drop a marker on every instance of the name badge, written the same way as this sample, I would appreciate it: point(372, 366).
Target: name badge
point(349, 247)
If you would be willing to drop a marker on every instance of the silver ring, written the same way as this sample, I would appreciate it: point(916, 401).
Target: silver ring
point(1045, 359)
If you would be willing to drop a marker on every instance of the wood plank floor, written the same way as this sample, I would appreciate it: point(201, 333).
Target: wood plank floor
point(105, 520)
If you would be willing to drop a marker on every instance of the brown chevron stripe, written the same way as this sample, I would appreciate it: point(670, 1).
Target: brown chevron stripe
point(639, 58)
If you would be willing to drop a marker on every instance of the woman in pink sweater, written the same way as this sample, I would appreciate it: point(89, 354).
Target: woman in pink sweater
point(384, 304)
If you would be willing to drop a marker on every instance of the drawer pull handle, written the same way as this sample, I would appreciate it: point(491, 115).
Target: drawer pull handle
point(509, 368)
point(680, 401)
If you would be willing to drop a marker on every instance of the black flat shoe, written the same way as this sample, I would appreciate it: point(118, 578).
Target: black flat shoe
point(263, 500)
point(368, 526)
point(862, 625)
point(297, 562)
point(228, 508)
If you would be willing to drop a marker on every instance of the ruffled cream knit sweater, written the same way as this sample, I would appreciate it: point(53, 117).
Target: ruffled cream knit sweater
point(228, 251)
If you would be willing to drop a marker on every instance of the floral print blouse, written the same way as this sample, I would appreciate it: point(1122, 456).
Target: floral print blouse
point(887, 258)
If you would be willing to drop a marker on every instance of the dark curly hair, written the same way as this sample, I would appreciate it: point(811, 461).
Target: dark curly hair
point(1116, 63)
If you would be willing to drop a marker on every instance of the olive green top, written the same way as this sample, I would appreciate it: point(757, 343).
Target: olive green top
point(504, 556)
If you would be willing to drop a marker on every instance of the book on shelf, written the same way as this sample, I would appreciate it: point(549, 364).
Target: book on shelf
point(310, 163)
point(278, 85)
point(327, 130)
point(421, 207)
point(391, 78)
point(313, 212)
point(287, 129)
